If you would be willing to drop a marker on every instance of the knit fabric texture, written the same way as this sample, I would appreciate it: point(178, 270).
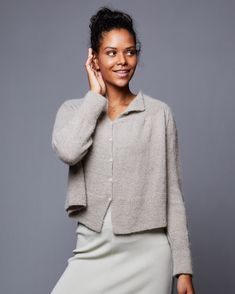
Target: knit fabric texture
point(132, 161)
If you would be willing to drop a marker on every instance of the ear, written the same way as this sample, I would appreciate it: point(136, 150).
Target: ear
point(96, 62)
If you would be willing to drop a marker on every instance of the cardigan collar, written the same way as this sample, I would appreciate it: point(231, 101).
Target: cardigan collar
point(137, 104)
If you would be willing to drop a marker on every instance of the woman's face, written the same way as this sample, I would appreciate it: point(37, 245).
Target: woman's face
point(117, 52)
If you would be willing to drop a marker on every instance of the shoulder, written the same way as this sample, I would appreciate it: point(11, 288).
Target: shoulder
point(73, 102)
point(155, 105)
point(70, 104)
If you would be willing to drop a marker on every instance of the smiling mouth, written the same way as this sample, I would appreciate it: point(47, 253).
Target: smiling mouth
point(122, 73)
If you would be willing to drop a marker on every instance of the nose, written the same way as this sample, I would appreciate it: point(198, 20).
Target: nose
point(121, 59)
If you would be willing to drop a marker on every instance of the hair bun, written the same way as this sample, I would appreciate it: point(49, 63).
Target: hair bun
point(107, 19)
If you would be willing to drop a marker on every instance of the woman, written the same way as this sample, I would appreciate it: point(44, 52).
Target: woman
point(122, 153)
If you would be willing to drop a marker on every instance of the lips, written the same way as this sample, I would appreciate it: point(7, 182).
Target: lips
point(122, 70)
point(122, 73)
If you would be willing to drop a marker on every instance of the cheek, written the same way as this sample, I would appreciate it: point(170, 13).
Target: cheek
point(106, 70)
point(106, 63)
point(133, 62)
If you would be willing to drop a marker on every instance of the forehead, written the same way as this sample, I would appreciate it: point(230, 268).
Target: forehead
point(117, 38)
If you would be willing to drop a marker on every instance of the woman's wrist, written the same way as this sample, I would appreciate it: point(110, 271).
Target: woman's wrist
point(183, 274)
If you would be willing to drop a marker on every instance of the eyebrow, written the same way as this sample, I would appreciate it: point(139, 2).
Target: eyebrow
point(116, 48)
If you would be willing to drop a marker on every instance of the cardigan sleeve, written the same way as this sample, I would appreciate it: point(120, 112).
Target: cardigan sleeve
point(74, 125)
point(177, 228)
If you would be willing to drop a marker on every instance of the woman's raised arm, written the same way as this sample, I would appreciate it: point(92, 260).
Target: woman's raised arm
point(74, 124)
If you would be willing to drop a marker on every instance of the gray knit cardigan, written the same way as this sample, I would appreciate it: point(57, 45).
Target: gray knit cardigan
point(132, 162)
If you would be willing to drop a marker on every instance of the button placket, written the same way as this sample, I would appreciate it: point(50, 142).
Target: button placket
point(111, 161)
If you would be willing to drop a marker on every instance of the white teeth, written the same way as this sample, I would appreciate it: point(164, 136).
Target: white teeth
point(122, 73)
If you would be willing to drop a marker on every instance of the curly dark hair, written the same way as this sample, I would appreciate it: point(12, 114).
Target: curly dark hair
point(106, 20)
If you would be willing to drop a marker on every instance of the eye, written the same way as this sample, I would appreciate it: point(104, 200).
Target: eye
point(132, 52)
point(111, 52)
point(129, 52)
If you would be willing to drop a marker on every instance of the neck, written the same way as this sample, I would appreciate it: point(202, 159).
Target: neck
point(118, 95)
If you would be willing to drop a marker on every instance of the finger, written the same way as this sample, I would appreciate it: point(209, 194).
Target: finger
point(89, 51)
point(90, 63)
point(99, 75)
point(89, 58)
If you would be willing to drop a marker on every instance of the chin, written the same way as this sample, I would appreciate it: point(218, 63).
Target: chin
point(121, 84)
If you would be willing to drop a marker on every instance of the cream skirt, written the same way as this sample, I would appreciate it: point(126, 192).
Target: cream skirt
point(104, 263)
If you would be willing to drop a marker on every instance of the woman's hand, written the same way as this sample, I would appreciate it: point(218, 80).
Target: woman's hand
point(95, 78)
point(184, 284)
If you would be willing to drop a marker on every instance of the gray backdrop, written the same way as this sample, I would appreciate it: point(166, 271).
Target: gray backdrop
point(187, 61)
